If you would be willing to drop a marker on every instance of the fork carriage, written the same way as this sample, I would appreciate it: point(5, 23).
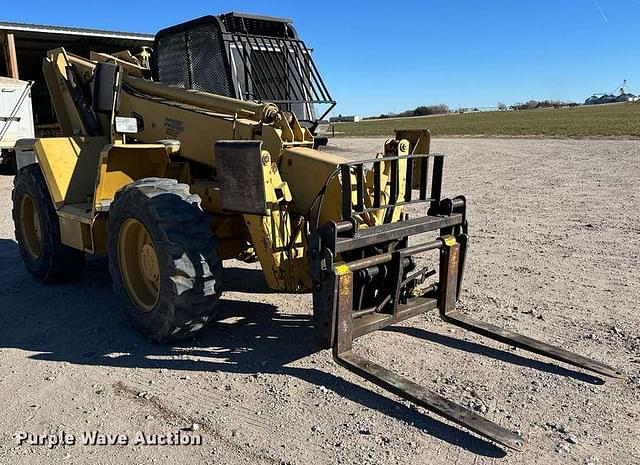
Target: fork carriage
point(368, 279)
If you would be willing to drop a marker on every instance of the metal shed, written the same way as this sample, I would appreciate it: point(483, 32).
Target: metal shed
point(23, 46)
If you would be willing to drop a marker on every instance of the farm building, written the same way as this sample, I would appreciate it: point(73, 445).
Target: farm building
point(597, 99)
point(627, 98)
point(23, 46)
point(622, 96)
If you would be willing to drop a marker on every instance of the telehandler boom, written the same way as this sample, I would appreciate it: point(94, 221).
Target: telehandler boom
point(169, 181)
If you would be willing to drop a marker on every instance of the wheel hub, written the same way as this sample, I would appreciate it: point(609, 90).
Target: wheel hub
point(139, 264)
point(30, 227)
point(149, 261)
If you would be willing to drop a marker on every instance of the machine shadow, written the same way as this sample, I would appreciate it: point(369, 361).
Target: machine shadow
point(496, 354)
point(248, 280)
point(8, 248)
point(79, 323)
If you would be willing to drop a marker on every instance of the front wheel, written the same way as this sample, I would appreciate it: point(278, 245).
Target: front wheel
point(163, 259)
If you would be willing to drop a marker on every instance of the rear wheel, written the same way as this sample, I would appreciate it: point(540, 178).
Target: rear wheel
point(38, 230)
point(163, 259)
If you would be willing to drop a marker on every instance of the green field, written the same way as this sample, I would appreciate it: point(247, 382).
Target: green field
point(616, 120)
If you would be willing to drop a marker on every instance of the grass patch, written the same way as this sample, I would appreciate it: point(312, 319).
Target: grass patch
point(615, 120)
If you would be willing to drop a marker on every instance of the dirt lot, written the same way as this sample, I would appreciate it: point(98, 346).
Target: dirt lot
point(555, 254)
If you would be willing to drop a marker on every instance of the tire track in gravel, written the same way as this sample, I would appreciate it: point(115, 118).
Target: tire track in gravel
point(154, 403)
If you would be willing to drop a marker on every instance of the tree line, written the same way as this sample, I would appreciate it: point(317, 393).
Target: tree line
point(531, 104)
point(422, 110)
point(441, 109)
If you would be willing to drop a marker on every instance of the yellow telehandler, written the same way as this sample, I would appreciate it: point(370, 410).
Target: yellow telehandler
point(202, 157)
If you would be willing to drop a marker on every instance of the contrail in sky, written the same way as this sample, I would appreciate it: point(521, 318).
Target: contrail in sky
point(601, 12)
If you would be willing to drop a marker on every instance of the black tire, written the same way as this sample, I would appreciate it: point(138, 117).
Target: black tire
point(187, 254)
point(56, 262)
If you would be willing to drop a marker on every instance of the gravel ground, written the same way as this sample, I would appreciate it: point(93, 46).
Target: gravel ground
point(555, 255)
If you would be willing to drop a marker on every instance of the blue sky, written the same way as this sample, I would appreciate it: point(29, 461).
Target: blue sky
point(394, 55)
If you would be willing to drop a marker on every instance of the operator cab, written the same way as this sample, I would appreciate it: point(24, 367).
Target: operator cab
point(248, 57)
